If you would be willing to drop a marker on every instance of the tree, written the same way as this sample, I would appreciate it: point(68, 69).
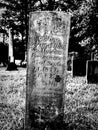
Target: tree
point(93, 24)
point(17, 16)
point(90, 25)
point(83, 28)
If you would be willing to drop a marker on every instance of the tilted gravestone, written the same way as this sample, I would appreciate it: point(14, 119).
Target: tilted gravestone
point(79, 67)
point(46, 68)
point(92, 71)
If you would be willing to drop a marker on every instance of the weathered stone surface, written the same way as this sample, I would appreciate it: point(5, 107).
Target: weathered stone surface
point(47, 64)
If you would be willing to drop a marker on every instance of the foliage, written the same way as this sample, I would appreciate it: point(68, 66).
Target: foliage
point(83, 22)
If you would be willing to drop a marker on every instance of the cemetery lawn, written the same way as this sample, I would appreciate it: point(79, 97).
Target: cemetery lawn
point(12, 99)
point(81, 101)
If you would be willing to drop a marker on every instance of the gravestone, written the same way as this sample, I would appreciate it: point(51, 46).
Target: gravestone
point(79, 67)
point(46, 68)
point(92, 71)
point(96, 56)
point(71, 56)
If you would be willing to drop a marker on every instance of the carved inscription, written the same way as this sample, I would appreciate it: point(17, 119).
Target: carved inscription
point(49, 59)
point(48, 38)
point(49, 50)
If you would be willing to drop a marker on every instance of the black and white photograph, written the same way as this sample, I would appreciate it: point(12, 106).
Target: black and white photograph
point(48, 65)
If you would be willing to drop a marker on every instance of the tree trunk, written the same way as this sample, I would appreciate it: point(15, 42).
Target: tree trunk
point(11, 57)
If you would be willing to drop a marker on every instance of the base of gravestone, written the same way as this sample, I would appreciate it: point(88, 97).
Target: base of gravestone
point(11, 66)
point(92, 72)
point(42, 123)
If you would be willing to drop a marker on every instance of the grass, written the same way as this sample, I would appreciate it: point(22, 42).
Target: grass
point(12, 99)
point(81, 101)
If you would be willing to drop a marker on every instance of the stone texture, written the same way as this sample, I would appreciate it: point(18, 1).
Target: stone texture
point(47, 64)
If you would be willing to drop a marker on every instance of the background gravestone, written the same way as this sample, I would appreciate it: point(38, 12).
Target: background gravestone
point(71, 56)
point(46, 68)
point(3, 54)
point(79, 67)
point(96, 56)
point(92, 71)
